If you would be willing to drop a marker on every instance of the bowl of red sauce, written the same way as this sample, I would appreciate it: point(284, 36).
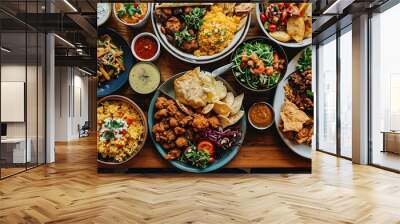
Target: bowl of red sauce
point(146, 47)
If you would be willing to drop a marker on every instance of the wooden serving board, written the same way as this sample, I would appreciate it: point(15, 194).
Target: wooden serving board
point(260, 149)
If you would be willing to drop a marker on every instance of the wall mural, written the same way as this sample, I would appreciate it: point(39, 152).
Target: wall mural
point(201, 87)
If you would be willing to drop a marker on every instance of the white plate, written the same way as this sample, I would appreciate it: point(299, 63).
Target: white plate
point(304, 43)
point(301, 149)
point(104, 18)
point(238, 38)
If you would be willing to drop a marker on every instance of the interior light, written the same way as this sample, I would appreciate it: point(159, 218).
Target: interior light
point(5, 50)
point(70, 5)
point(65, 41)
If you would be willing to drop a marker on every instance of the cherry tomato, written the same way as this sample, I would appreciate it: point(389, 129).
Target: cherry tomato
point(269, 70)
point(263, 18)
point(272, 27)
point(206, 146)
point(211, 160)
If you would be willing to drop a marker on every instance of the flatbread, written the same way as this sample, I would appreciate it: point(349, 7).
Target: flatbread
point(229, 98)
point(293, 118)
point(222, 108)
point(296, 28)
point(237, 104)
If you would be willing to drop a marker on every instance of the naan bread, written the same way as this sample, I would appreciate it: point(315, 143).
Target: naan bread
point(189, 90)
point(293, 118)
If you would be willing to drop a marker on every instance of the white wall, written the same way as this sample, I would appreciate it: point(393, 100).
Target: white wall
point(70, 83)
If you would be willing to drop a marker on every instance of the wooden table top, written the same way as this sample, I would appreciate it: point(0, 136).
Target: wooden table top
point(260, 149)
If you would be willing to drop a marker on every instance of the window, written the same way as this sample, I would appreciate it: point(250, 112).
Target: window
point(327, 96)
point(385, 89)
point(346, 92)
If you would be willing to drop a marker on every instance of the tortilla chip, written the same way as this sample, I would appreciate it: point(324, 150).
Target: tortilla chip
point(229, 99)
point(228, 121)
point(222, 108)
point(207, 109)
point(237, 104)
point(281, 36)
point(296, 28)
point(293, 118)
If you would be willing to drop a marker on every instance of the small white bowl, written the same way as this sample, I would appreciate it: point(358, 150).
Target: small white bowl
point(155, 57)
point(139, 24)
point(273, 116)
point(107, 13)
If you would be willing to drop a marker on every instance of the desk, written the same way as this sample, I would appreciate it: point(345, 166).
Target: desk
point(16, 147)
point(391, 141)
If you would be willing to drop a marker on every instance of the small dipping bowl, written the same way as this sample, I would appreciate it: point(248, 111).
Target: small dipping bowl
point(261, 114)
point(145, 39)
point(137, 25)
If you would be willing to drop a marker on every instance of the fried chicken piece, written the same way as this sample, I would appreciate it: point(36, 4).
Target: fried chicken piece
point(170, 135)
point(168, 145)
point(179, 130)
point(173, 122)
point(161, 103)
point(160, 127)
point(199, 122)
point(179, 116)
point(172, 109)
point(173, 25)
point(186, 121)
point(214, 122)
point(173, 154)
point(181, 142)
point(160, 114)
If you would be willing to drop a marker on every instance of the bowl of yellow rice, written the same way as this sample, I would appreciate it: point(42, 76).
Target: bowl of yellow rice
point(219, 33)
point(121, 129)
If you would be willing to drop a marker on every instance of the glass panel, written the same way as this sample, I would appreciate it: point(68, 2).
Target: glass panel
point(13, 86)
point(31, 98)
point(385, 89)
point(327, 96)
point(346, 94)
point(41, 99)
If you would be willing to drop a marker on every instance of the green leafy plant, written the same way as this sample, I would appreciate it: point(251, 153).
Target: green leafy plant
point(305, 61)
point(194, 19)
point(196, 158)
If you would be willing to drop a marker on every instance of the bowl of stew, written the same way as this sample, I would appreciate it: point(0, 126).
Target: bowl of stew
point(133, 14)
point(146, 47)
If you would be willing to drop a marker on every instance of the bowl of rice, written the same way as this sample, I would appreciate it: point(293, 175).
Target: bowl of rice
point(121, 130)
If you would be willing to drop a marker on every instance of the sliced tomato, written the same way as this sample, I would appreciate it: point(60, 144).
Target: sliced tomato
point(272, 27)
point(269, 70)
point(206, 146)
point(129, 120)
point(263, 18)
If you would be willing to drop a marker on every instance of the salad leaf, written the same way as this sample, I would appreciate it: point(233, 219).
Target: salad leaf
point(196, 158)
point(195, 18)
point(305, 61)
point(182, 36)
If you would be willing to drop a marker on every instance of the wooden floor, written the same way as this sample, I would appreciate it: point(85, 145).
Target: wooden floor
point(71, 191)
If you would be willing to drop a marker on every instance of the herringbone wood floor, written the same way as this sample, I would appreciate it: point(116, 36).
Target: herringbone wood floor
point(71, 191)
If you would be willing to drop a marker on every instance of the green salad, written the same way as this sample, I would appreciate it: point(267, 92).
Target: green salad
point(257, 65)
